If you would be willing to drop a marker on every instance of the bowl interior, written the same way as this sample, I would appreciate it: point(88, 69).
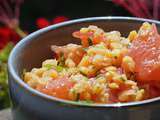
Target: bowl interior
point(35, 48)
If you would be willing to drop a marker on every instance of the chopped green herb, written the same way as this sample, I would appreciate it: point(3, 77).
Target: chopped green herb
point(122, 78)
point(85, 49)
point(100, 46)
point(85, 78)
point(59, 68)
point(90, 42)
point(48, 66)
point(61, 60)
point(82, 72)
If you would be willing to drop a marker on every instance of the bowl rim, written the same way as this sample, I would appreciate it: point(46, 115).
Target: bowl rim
point(28, 38)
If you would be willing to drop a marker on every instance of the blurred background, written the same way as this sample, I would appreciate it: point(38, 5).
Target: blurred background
point(71, 9)
point(21, 17)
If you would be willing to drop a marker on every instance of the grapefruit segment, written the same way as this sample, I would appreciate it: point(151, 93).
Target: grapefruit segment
point(145, 51)
point(58, 88)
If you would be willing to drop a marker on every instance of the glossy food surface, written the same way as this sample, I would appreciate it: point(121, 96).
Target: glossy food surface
point(105, 68)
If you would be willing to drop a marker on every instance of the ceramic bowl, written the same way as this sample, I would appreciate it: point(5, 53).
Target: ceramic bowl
point(29, 104)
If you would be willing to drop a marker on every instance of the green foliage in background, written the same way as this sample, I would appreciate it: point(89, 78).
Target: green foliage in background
point(4, 96)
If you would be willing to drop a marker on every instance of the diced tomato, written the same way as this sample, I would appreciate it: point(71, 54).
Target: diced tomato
point(83, 37)
point(113, 96)
point(86, 36)
point(97, 39)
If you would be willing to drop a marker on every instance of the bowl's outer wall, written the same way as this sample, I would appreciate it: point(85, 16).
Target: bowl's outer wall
point(27, 106)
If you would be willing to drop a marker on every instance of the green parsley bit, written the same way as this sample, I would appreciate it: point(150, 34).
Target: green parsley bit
point(48, 66)
point(59, 68)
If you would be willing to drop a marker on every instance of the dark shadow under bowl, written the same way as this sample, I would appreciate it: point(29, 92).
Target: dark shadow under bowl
point(29, 104)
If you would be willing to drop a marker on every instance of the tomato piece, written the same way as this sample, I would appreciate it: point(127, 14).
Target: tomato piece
point(86, 36)
point(145, 51)
point(97, 39)
point(113, 96)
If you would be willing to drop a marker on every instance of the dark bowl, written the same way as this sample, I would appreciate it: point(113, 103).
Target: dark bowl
point(29, 104)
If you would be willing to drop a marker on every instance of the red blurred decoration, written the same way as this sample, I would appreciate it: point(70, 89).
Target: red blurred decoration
point(9, 17)
point(141, 8)
point(9, 12)
point(59, 19)
point(42, 22)
point(7, 35)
